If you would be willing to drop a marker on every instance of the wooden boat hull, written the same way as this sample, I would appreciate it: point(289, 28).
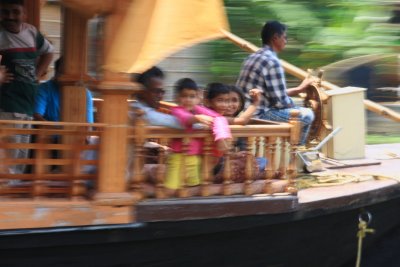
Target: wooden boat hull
point(307, 236)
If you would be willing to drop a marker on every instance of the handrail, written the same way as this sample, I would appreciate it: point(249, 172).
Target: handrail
point(53, 123)
point(276, 141)
point(66, 175)
point(259, 140)
point(301, 74)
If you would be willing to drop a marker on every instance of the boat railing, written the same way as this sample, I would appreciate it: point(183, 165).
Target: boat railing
point(58, 163)
point(63, 161)
point(274, 141)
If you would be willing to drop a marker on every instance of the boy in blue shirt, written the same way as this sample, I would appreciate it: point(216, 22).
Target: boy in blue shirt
point(47, 100)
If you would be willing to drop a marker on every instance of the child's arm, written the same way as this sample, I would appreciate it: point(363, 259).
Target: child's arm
point(156, 145)
point(188, 119)
point(245, 117)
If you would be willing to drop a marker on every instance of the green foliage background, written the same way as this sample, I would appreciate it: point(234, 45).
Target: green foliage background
point(319, 32)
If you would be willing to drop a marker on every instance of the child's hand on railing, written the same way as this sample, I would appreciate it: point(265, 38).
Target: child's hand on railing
point(204, 119)
point(201, 126)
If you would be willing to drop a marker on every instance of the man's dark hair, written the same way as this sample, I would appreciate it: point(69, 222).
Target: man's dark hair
point(271, 28)
point(185, 83)
point(215, 89)
point(12, 2)
point(145, 77)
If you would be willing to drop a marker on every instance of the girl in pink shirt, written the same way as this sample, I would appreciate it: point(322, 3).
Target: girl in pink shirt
point(188, 112)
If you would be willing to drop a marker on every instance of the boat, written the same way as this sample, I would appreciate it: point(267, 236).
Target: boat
point(79, 218)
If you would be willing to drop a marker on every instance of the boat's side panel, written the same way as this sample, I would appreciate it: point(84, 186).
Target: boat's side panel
point(264, 240)
point(36, 214)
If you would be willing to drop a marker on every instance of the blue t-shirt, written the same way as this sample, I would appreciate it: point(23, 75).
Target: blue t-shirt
point(47, 102)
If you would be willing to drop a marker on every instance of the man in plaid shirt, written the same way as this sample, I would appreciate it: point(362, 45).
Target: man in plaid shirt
point(263, 70)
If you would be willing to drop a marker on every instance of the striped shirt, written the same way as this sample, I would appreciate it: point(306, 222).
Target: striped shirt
point(263, 70)
point(20, 52)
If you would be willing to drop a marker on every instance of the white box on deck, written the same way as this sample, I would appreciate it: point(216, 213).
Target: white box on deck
point(346, 110)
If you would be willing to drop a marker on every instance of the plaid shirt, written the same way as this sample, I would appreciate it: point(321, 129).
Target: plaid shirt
point(263, 70)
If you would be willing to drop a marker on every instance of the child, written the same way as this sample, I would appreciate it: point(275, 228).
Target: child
point(237, 103)
point(189, 112)
point(230, 101)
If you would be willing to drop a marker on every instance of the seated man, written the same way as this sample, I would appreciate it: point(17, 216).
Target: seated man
point(263, 70)
point(148, 100)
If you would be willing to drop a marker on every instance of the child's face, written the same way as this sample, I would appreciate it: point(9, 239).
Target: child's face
point(234, 104)
point(188, 98)
point(220, 103)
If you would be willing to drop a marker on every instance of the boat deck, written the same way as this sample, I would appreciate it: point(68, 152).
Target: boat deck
point(388, 157)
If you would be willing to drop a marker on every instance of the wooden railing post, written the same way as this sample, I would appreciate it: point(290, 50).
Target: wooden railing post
point(271, 152)
point(161, 171)
point(206, 168)
point(136, 173)
point(40, 168)
point(249, 172)
point(227, 174)
point(182, 191)
point(282, 162)
point(294, 142)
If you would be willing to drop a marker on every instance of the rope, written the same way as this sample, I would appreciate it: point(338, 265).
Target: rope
point(330, 179)
point(362, 232)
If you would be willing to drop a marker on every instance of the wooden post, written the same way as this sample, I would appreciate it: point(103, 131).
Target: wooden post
point(161, 171)
point(116, 89)
point(206, 167)
point(249, 172)
point(271, 170)
point(32, 10)
point(182, 191)
point(226, 187)
point(270, 147)
point(112, 185)
point(282, 163)
point(73, 90)
point(294, 142)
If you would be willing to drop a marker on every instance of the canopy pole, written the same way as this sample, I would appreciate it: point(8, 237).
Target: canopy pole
point(301, 74)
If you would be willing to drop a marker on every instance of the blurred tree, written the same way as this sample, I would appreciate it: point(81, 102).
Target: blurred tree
point(319, 31)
